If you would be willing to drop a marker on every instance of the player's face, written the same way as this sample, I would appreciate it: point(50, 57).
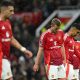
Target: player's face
point(74, 31)
point(9, 11)
point(54, 27)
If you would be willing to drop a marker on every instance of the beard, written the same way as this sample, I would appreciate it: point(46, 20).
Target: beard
point(55, 30)
point(73, 35)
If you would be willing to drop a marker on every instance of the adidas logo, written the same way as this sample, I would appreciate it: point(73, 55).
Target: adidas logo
point(3, 27)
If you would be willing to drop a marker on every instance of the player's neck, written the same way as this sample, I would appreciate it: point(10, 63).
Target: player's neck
point(70, 34)
point(54, 31)
point(2, 17)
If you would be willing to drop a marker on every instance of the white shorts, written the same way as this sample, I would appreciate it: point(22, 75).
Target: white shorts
point(76, 72)
point(6, 69)
point(56, 72)
point(70, 74)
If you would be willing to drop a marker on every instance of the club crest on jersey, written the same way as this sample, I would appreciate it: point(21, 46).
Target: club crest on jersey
point(55, 43)
point(7, 34)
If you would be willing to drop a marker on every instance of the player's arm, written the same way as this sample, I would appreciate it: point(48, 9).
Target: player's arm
point(63, 53)
point(17, 45)
point(38, 58)
point(39, 53)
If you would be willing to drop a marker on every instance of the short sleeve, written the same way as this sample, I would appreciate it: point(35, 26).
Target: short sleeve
point(42, 40)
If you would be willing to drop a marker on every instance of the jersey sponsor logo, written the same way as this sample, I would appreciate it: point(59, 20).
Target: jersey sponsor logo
point(6, 40)
point(72, 50)
point(55, 47)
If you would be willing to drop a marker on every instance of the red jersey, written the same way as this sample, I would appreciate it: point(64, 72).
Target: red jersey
point(77, 49)
point(52, 44)
point(76, 59)
point(76, 62)
point(69, 47)
point(5, 37)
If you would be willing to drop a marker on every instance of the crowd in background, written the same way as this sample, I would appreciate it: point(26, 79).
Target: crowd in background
point(25, 34)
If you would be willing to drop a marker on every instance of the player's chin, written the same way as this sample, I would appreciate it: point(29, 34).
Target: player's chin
point(9, 16)
point(73, 35)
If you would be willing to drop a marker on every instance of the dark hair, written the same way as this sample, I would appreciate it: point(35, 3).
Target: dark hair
point(56, 21)
point(76, 25)
point(6, 3)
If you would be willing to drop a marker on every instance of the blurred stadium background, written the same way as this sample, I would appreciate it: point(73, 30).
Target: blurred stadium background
point(31, 18)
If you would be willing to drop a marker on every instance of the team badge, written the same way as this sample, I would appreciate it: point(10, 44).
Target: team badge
point(55, 43)
point(7, 34)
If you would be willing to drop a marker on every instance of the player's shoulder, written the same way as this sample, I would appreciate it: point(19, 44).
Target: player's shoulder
point(44, 34)
point(66, 36)
point(1, 23)
point(77, 44)
point(8, 20)
point(60, 30)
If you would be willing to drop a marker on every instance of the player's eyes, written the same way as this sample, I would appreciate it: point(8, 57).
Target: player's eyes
point(11, 10)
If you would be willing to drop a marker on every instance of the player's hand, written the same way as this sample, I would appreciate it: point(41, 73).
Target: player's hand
point(28, 53)
point(35, 67)
point(64, 62)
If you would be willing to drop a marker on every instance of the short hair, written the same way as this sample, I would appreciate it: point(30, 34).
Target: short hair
point(56, 21)
point(76, 25)
point(6, 3)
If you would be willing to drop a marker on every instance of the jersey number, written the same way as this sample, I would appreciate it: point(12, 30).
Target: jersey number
point(55, 43)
